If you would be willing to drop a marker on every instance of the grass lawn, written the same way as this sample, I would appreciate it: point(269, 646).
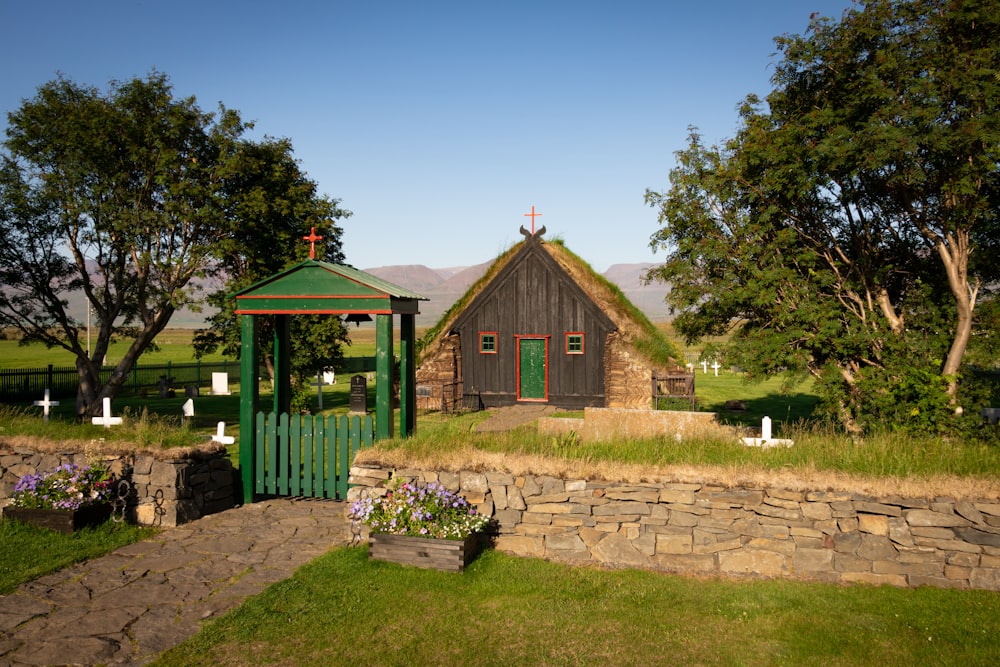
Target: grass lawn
point(504, 610)
point(343, 609)
point(27, 552)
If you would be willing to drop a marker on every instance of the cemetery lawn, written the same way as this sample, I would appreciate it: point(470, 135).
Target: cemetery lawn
point(28, 552)
point(504, 610)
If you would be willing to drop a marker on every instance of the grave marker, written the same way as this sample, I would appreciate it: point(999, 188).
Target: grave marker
point(765, 440)
point(359, 394)
point(187, 410)
point(716, 367)
point(106, 420)
point(45, 404)
point(220, 384)
point(220, 435)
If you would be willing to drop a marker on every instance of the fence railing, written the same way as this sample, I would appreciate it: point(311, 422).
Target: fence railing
point(673, 386)
point(307, 455)
point(62, 382)
point(25, 383)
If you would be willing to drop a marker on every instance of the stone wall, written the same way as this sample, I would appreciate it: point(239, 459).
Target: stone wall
point(164, 491)
point(626, 375)
point(610, 424)
point(701, 529)
point(437, 371)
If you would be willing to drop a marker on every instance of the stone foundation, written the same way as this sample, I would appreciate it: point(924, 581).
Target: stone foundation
point(165, 491)
point(700, 529)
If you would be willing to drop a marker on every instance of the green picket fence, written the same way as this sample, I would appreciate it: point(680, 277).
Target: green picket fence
point(308, 455)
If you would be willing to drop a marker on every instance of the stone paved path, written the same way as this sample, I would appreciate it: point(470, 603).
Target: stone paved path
point(140, 600)
point(512, 416)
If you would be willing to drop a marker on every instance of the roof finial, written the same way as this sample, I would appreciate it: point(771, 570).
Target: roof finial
point(532, 215)
point(312, 238)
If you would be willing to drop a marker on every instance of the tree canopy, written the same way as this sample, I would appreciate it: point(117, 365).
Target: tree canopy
point(849, 229)
point(126, 197)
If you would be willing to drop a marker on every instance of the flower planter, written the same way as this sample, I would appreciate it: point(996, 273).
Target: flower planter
point(63, 521)
point(439, 554)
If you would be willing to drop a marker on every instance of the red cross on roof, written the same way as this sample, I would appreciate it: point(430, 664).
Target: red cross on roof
point(532, 215)
point(312, 238)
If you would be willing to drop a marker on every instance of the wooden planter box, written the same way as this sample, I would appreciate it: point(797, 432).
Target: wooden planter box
point(63, 521)
point(440, 554)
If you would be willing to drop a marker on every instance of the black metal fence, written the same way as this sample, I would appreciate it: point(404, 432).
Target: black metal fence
point(30, 383)
point(25, 383)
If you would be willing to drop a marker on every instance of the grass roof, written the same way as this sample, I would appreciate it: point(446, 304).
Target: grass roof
point(647, 339)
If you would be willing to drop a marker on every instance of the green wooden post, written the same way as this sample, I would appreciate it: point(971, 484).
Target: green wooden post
point(383, 377)
point(248, 402)
point(282, 365)
point(407, 375)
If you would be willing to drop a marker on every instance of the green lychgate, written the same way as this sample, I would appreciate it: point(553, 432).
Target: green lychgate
point(317, 287)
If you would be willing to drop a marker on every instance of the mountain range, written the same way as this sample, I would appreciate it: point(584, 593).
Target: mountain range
point(443, 287)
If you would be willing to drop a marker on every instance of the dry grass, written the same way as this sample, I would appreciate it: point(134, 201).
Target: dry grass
point(44, 445)
point(798, 479)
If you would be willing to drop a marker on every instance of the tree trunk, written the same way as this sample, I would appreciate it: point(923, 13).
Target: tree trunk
point(954, 253)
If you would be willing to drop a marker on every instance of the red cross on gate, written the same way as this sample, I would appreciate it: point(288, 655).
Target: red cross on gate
point(312, 238)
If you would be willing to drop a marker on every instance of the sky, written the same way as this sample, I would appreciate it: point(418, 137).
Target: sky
point(440, 124)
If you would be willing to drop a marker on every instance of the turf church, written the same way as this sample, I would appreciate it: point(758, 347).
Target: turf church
point(540, 327)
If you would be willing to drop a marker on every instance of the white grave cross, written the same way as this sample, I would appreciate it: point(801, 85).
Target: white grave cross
point(106, 420)
point(716, 367)
point(704, 366)
point(220, 435)
point(45, 404)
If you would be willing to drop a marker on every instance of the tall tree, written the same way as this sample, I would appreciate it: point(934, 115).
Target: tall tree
point(837, 232)
point(124, 196)
point(275, 205)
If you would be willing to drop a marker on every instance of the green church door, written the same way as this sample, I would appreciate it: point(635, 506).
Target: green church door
point(532, 369)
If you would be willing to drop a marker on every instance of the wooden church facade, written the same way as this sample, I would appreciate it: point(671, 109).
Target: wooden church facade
point(534, 332)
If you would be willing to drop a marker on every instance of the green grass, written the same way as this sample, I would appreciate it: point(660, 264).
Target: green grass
point(27, 552)
point(173, 345)
point(504, 610)
point(817, 447)
point(763, 399)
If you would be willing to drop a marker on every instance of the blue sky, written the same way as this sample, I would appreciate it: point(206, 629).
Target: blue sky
point(439, 124)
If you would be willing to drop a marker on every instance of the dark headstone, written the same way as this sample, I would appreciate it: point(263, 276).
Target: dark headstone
point(191, 391)
point(359, 394)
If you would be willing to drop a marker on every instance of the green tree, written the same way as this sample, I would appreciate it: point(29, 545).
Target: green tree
point(836, 234)
point(274, 206)
point(124, 197)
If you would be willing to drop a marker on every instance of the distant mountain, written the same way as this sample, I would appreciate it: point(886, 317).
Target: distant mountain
point(445, 286)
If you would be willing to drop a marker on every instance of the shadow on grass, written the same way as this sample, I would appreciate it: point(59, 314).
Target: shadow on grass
point(781, 408)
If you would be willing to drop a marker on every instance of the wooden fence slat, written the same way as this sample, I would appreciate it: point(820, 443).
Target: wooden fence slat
point(261, 444)
point(343, 455)
point(283, 454)
point(295, 458)
point(272, 453)
point(319, 460)
point(331, 457)
point(307, 454)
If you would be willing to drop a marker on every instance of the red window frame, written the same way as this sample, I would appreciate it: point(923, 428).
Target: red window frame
point(582, 338)
point(496, 338)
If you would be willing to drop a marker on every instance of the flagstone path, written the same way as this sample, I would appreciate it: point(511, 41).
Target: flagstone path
point(512, 416)
point(129, 606)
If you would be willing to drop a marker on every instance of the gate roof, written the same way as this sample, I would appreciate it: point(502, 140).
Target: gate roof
point(316, 287)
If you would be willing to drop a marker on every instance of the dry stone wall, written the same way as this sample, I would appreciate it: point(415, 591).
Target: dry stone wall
point(710, 530)
point(164, 491)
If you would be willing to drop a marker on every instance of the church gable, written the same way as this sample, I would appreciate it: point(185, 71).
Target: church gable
point(541, 326)
point(532, 291)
